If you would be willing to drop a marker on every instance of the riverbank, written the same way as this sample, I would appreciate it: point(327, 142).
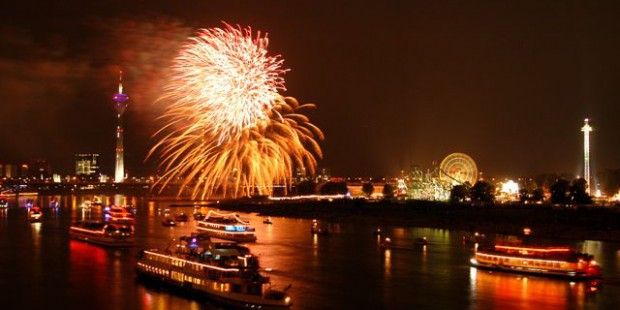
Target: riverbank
point(545, 221)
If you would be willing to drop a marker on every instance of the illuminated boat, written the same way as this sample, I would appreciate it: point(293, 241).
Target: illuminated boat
point(221, 271)
point(54, 203)
point(120, 214)
point(35, 214)
point(4, 203)
point(115, 235)
point(547, 261)
point(227, 227)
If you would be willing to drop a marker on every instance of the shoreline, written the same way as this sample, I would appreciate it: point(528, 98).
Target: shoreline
point(545, 221)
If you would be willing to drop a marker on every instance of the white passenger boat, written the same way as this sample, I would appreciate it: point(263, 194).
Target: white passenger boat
point(107, 234)
point(226, 226)
point(222, 271)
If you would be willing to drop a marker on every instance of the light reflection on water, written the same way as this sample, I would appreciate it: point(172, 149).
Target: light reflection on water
point(513, 291)
point(346, 269)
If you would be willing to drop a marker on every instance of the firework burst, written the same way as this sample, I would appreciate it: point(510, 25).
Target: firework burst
point(226, 72)
point(227, 129)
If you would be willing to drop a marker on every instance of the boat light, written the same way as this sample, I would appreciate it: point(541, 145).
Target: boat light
point(504, 247)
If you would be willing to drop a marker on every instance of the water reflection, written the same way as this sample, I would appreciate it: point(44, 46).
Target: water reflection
point(509, 291)
point(387, 262)
point(408, 276)
point(89, 264)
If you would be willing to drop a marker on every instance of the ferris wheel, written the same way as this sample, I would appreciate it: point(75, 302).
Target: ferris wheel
point(458, 168)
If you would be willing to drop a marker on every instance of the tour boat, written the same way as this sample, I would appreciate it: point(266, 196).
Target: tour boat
point(4, 203)
point(121, 214)
point(108, 234)
point(221, 271)
point(549, 261)
point(227, 227)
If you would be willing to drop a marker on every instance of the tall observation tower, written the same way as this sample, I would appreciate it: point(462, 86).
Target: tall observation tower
point(120, 104)
point(586, 154)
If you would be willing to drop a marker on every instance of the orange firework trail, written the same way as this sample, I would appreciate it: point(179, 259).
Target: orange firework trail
point(228, 131)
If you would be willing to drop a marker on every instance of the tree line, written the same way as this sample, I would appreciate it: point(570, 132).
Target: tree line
point(561, 191)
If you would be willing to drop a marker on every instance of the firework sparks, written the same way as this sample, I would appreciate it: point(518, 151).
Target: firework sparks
point(228, 73)
point(227, 129)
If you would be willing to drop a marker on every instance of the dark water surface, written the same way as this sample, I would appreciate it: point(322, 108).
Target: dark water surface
point(40, 267)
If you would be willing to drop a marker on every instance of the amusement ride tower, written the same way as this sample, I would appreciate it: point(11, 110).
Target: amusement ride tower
point(586, 153)
point(120, 105)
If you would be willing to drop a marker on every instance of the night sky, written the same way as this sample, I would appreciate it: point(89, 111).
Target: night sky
point(396, 83)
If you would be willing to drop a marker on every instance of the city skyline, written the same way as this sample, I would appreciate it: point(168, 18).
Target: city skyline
point(380, 114)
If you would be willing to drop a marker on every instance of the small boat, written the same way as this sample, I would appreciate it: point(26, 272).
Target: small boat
point(107, 234)
point(377, 232)
point(168, 222)
point(181, 217)
point(421, 241)
point(317, 229)
point(546, 261)
point(267, 220)
point(476, 237)
point(97, 201)
point(199, 216)
point(35, 214)
point(224, 272)
point(386, 243)
point(87, 204)
point(227, 226)
point(4, 203)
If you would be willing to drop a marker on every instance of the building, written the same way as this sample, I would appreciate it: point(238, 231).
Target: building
point(87, 164)
point(40, 169)
point(13, 171)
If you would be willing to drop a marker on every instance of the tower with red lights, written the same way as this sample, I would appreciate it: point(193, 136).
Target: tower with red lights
point(120, 105)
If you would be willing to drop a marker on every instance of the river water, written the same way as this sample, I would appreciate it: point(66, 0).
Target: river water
point(41, 267)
